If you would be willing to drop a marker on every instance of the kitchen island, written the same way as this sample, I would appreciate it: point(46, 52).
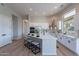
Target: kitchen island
point(47, 43)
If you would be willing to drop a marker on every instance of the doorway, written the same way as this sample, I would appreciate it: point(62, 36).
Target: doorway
point(15, 27)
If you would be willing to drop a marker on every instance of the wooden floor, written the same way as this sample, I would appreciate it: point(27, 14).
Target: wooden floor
point(17, 49)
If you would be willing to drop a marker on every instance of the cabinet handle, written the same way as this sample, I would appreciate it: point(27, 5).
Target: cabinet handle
point(68, 41)
point(60, 38)
point(3, 34)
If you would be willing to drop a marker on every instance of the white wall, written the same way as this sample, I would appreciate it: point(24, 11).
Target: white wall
point(4, 10)
point(42, 25)
point(39, 21)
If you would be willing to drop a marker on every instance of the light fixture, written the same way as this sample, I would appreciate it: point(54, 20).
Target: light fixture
point(56, 7)
point(26, 21)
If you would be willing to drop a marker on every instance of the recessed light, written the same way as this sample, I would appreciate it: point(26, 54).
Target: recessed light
point(30, 9)
point(60, 6)
point(56, 7)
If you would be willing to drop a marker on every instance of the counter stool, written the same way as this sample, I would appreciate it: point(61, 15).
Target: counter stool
point(35, 47)
point(25, 42)
point(28, 43)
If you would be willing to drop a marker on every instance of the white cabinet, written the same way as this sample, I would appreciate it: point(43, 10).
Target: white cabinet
point(73, 44)
point(70, 42)
point(5, 30)
point(64, 40)
point(60, 38)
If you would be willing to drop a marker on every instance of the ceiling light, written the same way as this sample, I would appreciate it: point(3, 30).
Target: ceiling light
point(60, 6)
point(30, 9)
point(56, 7)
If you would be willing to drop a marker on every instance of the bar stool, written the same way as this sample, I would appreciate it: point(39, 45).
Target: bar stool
point(35, 47)
point(27, 43)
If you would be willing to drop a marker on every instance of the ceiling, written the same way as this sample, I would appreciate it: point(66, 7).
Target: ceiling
point(37, 9)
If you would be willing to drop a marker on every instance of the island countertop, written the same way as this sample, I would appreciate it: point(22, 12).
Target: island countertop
point(41, 36)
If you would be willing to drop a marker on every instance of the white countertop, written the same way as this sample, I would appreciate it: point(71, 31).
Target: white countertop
point(46, 36)
point(67, 35)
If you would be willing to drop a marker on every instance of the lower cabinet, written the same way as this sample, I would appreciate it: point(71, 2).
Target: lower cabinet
point(70, 43)
point(4, 40)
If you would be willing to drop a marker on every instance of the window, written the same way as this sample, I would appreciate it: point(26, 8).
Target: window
point(71, 13)
point(68, 22)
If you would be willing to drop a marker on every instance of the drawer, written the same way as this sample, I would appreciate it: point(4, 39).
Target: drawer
point(64, 40)
point(60, 39)
point(71, 44)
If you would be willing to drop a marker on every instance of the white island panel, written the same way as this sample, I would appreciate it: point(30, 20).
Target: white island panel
point(49, 45)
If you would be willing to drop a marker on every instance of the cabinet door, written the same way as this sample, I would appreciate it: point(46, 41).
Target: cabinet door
point(59, 37)
point(5, 30)
point(73, 44)
point(64, 40)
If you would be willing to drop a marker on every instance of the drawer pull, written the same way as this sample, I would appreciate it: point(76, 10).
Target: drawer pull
point(68, 41)
point(3, 34)
point(60, 38)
